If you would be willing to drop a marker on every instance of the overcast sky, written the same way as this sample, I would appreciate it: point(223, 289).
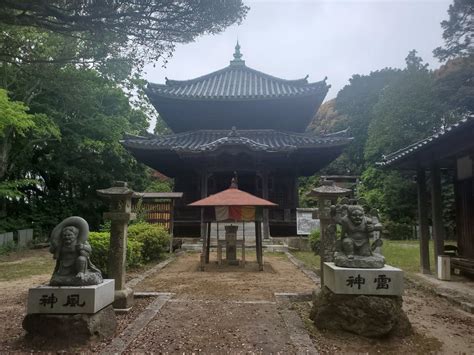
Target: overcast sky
point(333, 38)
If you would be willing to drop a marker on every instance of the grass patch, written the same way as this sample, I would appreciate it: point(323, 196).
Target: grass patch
point(311, 260)
point(23, 267)
point(404, 254)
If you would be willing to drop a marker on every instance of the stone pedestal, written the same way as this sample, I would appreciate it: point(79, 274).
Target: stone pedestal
point(444, 268)
point(367, 302)
point(72, 327)
point(231, 245)
point(70, 299)
point(73, 312)
point(386, 281)
point(370, 316)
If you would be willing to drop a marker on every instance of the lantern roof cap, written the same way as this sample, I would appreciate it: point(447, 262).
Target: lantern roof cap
point(328, 187)
point(119, 189)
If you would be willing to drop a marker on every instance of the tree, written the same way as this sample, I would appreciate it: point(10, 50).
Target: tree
point(103, 32)
point(92, 116)
point(328, 119)
point(457, 31)
point(407, 111)
point(356, 101)
point(454, 85)
point(17, 123)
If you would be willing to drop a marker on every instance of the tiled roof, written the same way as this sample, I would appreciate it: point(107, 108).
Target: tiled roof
point(237, 81)
point(210, 140)
point(427, 142)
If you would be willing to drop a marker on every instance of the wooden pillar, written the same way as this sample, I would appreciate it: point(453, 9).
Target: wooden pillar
point(437, 211)
point(296, 191)
point(266, 218)
point(208, 242)
point(203, 188)
point(423, 231)
point(258, 244)
point(171, 224)
point(243, 243)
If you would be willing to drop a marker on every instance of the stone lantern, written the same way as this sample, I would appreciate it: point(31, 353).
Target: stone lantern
point(326, 195)
point(120, 214)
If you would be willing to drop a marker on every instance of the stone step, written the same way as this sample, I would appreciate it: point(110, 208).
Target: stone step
point(277, 248)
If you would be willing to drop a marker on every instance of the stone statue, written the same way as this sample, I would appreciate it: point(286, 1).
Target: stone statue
point(71, 251)
point(354, 250)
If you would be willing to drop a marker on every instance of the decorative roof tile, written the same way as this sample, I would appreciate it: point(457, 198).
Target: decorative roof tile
point(237, 81)
point(210, 140)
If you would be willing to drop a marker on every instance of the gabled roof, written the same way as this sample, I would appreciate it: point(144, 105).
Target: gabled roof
point(257, 140)
point(408, 155)
point(237, 82)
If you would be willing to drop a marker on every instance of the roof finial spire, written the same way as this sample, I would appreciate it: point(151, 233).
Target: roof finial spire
point(237, 56)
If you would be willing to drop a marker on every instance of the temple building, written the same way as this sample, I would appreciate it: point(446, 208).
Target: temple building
point(237, 121)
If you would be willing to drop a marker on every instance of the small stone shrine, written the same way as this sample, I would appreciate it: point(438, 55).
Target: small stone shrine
point(231, 245)
point(77, 303)
point(359, 292)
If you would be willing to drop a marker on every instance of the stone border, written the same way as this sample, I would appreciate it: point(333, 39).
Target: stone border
point(300, 265)
point(294, 325)
point(454, 299)
point(123, 340)
point(135, 281)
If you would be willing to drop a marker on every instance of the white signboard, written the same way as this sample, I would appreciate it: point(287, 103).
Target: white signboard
point(305, 223)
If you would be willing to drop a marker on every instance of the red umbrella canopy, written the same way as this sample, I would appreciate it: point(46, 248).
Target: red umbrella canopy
point(233, 204)
point(232, 197)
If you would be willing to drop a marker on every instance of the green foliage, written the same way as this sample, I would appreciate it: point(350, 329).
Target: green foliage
point(100, 243)
point(145, 243)
point(356, 101)
point(92, 116)
point(154, 238)
point(397, 231)
point(407, 111)
point(7, 248)
point(13, 189)
point(454, 88)
point(305, 185)
point(390, 192)
point(315, 241)
point(109, 35)
point(457, 31)
point(160, 186)
point(15, 124)
point(328, 119)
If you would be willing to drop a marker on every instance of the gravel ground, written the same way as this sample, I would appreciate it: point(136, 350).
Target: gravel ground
point(233, 310)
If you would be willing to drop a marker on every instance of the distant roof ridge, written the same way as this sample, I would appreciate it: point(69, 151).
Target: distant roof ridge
point(416, 146)
point(301, 81)
point(228, 130)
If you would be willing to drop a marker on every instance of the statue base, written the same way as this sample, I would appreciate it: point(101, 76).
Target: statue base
point(386, 281)
point(374, 261)
point(70, 299)
point(73, 328)
point(370, 316)
point(123, 299)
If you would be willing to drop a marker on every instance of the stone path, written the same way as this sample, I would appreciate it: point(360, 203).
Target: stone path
point(221, 310)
